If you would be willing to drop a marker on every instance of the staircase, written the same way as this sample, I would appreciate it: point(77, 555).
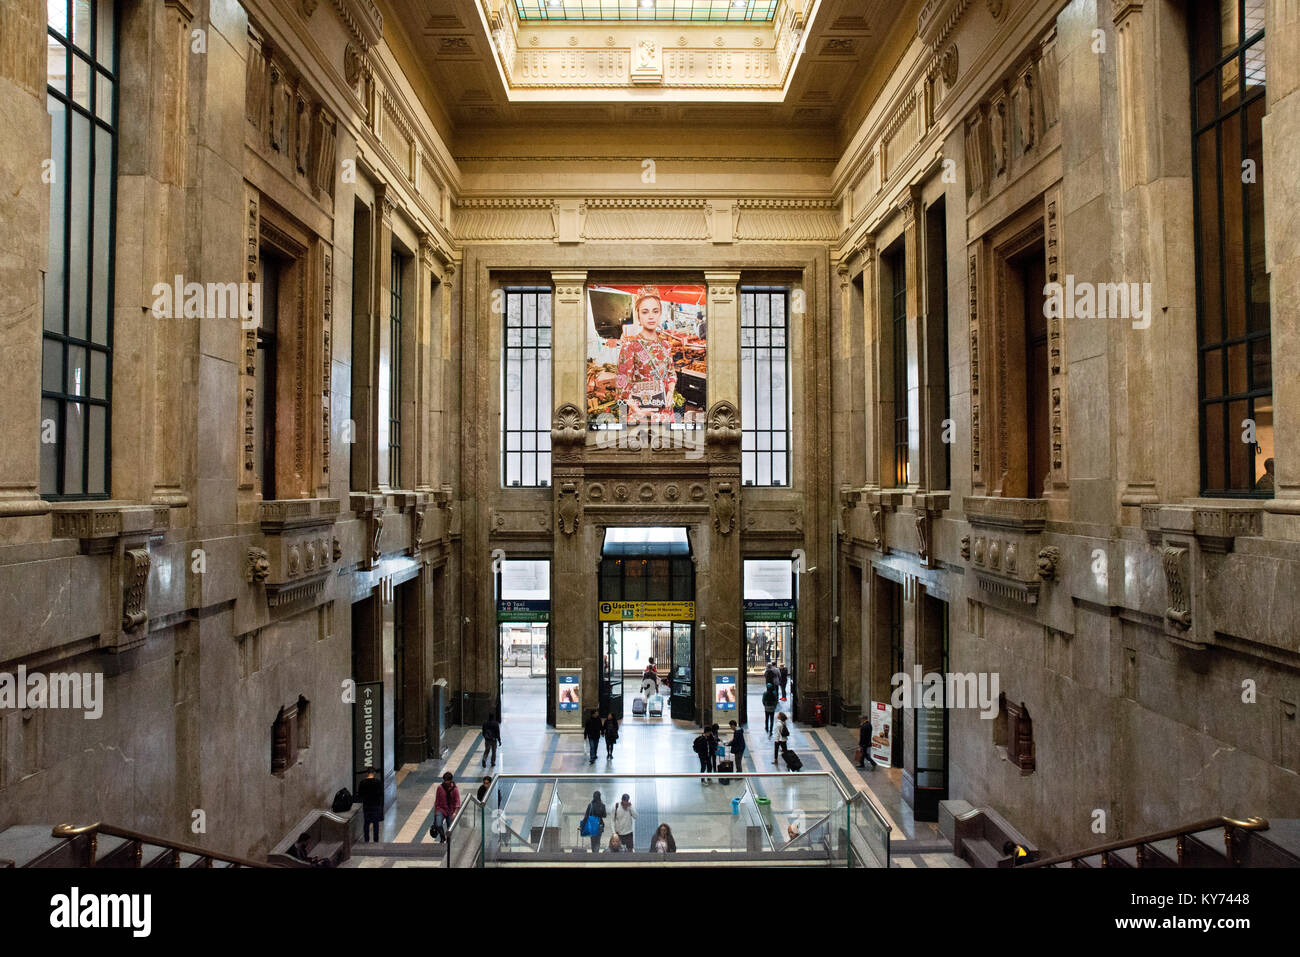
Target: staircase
point(102, 845)
point(1222, 842)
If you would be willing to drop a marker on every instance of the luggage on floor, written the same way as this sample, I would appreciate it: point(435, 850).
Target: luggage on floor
point(638, 707)
point(725, 766)
point(791, 759)
point(657, 706)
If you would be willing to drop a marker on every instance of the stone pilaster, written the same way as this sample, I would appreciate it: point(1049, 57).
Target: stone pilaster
point(24, 202)
point(568, 333)
point(917, 394)
point(724, 337)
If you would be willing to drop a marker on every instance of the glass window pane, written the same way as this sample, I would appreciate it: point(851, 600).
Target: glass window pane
point(513, 308)
point(1215, 478)
point(1207, 172)
point(96, 483)
point(1236, 370)
point(544, 463)
point(80, 82)
point(1241, 455)
point(57, 15)
point(779, 468)
point(49, 450)
point(104, 98)
point(101, 308)
point(512, 469)
point(74, 427)
point(56, 65)
point(1212, 364)
point(80, 221)
point(529, 476)
point(1229, 36)
point(544, 393)
point(77, 370)
point(55, 274)
point(104, 28)
point(748, 468)
point(98, 375)
point(51, 366)
point(1261, 363)
point(1234, 258)
point(81, 24)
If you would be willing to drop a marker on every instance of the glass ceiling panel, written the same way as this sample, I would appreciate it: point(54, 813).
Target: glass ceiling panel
point(698, 11)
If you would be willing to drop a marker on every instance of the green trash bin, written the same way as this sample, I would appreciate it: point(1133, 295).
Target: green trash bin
point(765, 813)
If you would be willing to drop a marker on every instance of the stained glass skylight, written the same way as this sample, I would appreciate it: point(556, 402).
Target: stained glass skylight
point(686, 11)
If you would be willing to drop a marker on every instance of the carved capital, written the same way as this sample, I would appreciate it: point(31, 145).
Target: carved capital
point(135, 581)
point(723, 424)
point(568, 426)
point(1176, 565)
point(724, 508)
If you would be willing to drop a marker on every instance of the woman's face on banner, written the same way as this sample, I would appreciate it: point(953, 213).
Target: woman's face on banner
point(648, 314)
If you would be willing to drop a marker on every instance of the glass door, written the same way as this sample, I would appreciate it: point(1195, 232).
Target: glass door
point(682, 703)
point(611, 669)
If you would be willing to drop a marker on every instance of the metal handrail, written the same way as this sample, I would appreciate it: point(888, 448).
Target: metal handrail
point(1249, 824)
point(77, 830)
point(455, 819)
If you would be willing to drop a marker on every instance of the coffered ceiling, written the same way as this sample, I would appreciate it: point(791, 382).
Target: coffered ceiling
point(793, 63)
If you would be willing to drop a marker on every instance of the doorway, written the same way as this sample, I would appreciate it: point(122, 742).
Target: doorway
point(523, 638)
point(630, 648)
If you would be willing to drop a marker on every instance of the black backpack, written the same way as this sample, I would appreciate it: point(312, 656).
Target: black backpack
point(342, 801)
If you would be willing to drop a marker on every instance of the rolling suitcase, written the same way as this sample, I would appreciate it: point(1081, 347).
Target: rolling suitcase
point(656, 706)
point(725, 766)
point(792, 760)
point(638, 707)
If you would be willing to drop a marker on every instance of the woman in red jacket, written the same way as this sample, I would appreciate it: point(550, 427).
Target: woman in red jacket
point(445, 805)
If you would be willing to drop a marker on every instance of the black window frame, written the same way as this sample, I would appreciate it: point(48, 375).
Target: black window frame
point(540, 433)
point(1256, 342)
point(62, 341)
point(898, 342)
point(765, 356)
point(395, 294)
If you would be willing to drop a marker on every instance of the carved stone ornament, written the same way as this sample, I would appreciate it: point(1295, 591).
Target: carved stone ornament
point(724, 508)
point(417, 533)
point(923, 534)
point(1175, 564)
point(965, 548)
point(1011, 558)
point(877, 526)
point(568, 425)
point(258, 568)
point(135, 581)
point(724, 424)
point(374, 538)
point(309, 7)
point(1049, 558)
point(979, 550)
point(567, 508)
point(338, 550)
point(995, 554)
point(948, 66)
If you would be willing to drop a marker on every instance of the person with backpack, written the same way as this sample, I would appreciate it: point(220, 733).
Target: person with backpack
point(625, 823)
point(593, 821)
point(611, 735)
point(771, 674)
point(782, 738)
point(649, 681)
point(784, 674)
point(445, 805)
point(769, 709)
point(592, 731)
point(370, 792)
point(702, 745)
point(715, 745)
point(491, 738)
point(737, 745)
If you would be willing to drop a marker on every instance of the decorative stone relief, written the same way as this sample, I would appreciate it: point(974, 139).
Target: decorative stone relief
point(724, 424)
point(568, 427)
point(377, 527)
point(922, 519)
point(1049, 557)
point(1175, 562)
point(257, 566)
point(965, 548)
point(948, 66)
point(698, 492)
point(567, 508)
point(327, 346)
point(998, 135)
point(672, 493)
point(417, 531)
point(337, 550)
point(248, 370)
point(724, 508)
point(995, 554)
point(1010, 558)
point(135, 581)
point(877, 513)
point(977, 478)
point(979, 550)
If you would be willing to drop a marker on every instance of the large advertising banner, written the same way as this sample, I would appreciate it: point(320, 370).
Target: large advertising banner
point(646, 356)
point(725, 689)
point(882, 745)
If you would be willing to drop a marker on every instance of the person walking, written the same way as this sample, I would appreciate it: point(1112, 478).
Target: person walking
point(784, 674)
point(769, 709)
point(611, 735)
point(782, 736)
point(625, 823)
point(592, 731)
point(864, 743)
point(737, 745)
point(483, 789)
point(663, 841)
point(445, 806)
point(771, 674)
point(370, 792)
point(596, 810)
point(491, 738)
point(702, 746)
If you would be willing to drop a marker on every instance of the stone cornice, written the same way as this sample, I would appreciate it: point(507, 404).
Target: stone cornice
point(363, 21)
point(937, 19)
